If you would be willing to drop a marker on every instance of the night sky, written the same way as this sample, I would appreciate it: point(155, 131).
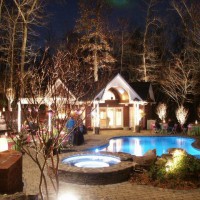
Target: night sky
point(63, 16)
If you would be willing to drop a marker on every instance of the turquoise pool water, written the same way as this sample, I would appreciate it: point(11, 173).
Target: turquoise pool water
point(139, 145)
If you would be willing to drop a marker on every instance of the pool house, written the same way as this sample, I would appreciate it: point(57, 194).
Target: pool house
point(119, 105)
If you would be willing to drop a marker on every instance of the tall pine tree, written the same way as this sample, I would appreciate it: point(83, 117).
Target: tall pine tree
point(95, 49)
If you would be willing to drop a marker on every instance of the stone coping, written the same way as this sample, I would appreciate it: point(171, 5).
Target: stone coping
point(126, 161)
point(103, 175)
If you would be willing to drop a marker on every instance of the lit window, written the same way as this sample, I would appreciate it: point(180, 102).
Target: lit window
point(118, 117)
point(109, 96)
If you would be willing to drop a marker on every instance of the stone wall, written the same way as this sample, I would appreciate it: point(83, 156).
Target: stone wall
point(96, 176)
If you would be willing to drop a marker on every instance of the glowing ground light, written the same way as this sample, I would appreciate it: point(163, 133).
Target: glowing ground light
point(96, 150)
point(173, 164)
point(67, 196)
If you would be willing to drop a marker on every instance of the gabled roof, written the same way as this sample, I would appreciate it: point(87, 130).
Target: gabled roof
point(137, 91)
point(58, 84)
point(119, 81)
point(48, 98)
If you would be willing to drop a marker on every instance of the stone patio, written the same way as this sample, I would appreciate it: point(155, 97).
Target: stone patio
point(119, 191)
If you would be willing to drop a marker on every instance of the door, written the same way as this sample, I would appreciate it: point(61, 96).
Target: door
point(111, 117)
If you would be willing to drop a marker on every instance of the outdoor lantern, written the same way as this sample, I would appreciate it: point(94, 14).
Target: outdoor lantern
point(3, 144)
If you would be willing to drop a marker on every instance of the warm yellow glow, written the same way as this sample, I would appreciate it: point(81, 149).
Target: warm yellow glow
point(102, 114)
point(196, 122)
point(161, 111)
point(69, 196)
point(3, 144)
point(110, 116)
point(49, 121)
point(138, 115)
point(177, 153)
point(49, 117)
point(181, 114)
point(72, 112)
point(118, 117)
point(171, 165)
point(109, 95)
point(61, 115)
point(96, 115)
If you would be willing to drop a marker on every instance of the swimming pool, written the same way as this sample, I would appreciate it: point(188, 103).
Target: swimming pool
point(139, 145)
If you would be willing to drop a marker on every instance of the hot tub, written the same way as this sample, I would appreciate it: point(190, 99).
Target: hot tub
point(92, 160)
point(95, 168)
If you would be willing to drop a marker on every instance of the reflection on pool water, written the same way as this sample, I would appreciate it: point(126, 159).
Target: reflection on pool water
point(91, 161)
point(139, 145)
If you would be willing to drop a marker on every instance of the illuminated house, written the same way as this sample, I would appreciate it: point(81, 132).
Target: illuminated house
point(121, 105)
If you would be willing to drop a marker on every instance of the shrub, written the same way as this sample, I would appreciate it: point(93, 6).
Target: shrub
point(180, 167)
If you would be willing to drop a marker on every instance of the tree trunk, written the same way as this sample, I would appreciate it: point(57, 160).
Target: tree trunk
point(1, 5)
point(23, 56)
point(122, 51)
point(95, 67)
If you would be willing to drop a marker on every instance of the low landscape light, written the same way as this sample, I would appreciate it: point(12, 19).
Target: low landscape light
point(96, 150)
point(173, 164)
point(69, 196)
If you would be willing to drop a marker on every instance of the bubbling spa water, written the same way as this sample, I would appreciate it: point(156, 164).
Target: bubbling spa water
point(91, 161)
